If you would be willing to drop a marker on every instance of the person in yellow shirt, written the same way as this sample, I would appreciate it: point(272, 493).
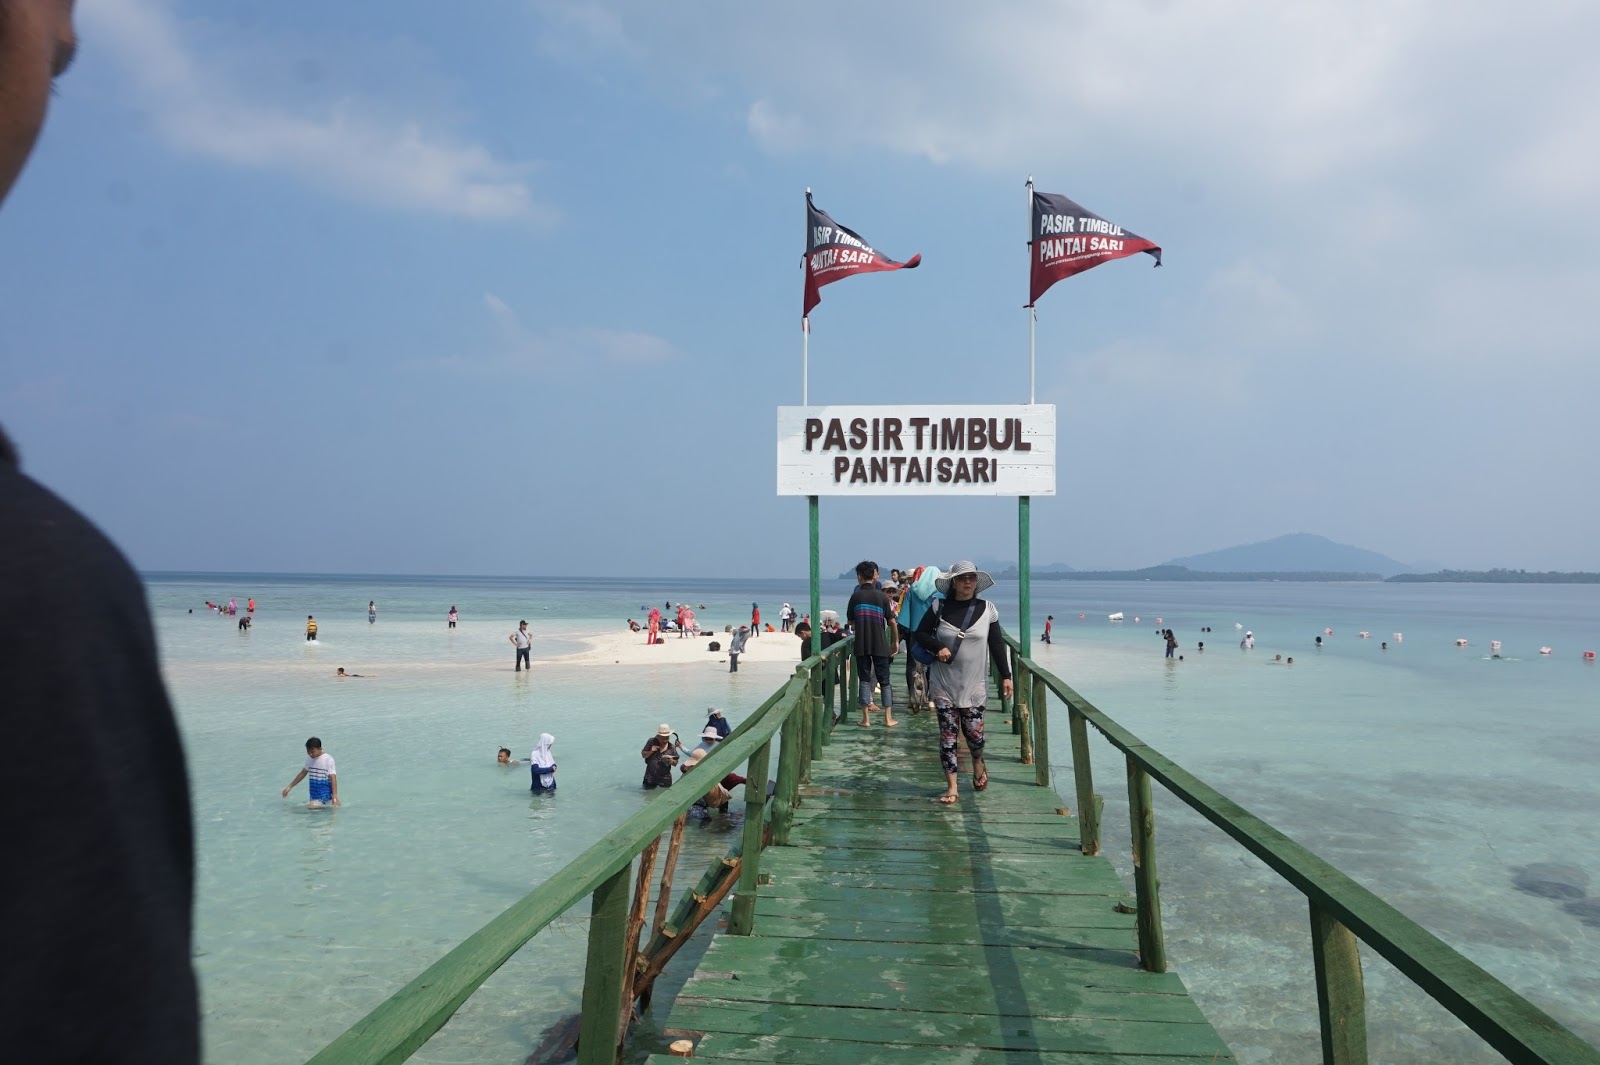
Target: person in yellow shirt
point(311, 629)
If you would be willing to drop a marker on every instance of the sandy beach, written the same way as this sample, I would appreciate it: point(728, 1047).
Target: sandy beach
point(628, 648)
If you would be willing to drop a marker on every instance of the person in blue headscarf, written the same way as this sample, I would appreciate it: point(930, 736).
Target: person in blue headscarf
point(921, 591)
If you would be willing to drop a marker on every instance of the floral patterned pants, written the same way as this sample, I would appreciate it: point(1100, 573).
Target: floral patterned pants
point(965, 720)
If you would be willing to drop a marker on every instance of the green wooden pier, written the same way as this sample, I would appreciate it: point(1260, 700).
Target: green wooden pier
point(896, 929)
point(871, 924)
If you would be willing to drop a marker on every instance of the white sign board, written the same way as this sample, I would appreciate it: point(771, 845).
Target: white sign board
point(917, 451)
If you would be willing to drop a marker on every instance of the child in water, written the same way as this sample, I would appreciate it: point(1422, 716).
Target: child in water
point(324, 785)
point(504, 757)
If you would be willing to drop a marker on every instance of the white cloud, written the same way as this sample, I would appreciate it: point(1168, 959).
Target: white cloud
point(520, 349)
point(344, 147)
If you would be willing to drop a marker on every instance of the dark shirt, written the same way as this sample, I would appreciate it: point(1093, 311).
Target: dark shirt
point(871, 615)
point(720, 724)
point(657, 754)
point(97, 905)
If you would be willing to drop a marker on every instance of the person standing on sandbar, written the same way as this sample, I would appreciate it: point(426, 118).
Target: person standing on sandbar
point(522, 640)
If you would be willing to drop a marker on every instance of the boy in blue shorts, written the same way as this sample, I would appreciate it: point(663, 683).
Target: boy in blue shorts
point(324, 781)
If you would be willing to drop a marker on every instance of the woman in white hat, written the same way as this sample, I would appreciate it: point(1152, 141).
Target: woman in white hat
point(717, 798)
point(957, 632)
point(659, 753)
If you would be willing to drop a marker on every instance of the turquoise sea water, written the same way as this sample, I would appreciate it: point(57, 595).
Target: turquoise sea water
point(1433, 774)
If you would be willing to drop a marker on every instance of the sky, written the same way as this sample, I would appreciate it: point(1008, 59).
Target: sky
point(514, 287)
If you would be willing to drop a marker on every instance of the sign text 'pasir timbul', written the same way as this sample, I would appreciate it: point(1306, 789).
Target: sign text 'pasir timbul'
point(925, 438)
point(1077, 235)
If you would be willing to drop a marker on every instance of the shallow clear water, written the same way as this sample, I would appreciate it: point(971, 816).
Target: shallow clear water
point(1428, 772)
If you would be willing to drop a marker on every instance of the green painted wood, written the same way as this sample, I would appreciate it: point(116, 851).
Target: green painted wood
point(1341, 996)
point(600, 1030)
point(938, 908)
point(1513, 1026)
point(1039, 715)
point(895, 932)
point(719, 1047)
point(788, 790)
point(937, 1030)
point(814, 569)
point(752, 957)
point(744, 903)
point(1083, 781)
point(1146, 881)
point(1022, 712)
point(1024, 571)
point(936, 991)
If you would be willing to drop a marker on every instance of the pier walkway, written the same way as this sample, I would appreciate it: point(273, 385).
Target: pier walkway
point(895, 929)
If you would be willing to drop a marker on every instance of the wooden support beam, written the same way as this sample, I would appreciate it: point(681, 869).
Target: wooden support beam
point(1020, 711)
point(1083, 779)
point(1341, 995)
point(1146, 882)
point(636, 915)
point(742, 922)
point(1041, 731)
point(668, 867)
point(599, 1031)
point(788, 793)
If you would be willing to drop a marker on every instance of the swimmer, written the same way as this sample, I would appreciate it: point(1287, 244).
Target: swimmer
point(1291, 660)
point(504, 757)
point(342, 675)
point(1384, 646)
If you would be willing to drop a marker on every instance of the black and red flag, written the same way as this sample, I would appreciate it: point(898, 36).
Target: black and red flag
point(834, 252)
point(1068, 239)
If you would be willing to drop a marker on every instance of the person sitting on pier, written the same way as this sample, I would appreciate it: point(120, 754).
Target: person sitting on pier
point(660, 754)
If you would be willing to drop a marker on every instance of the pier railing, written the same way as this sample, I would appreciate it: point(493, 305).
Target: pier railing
point(1342, 912)
point(617, 971)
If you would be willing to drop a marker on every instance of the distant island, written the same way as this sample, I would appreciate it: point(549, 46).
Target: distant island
point(1303, 557)
point(1183, 573)
point(1495, 576)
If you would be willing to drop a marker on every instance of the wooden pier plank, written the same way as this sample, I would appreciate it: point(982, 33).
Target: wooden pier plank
point(894, 929)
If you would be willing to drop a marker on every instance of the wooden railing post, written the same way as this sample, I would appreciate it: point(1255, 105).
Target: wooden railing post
point(1016, 718)
point(1146, 882)
point(743, 919)
point(852, 692)
point(788, 791)
point(821, 729)
point(1020, 711)
point(1341, 996)
point(811, 703)
point(1008, 707)
point(1083, 781)
point(821, 732)
point(1041, 733)
point(599, 1031)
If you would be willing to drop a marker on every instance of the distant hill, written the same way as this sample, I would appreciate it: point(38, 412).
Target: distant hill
point(1302, 552)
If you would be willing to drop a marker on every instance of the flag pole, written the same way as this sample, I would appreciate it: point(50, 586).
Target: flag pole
point(1024, 555)
point(813, 523)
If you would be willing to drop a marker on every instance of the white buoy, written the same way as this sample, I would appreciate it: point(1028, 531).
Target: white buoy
point(1494, 645)
point(1365, 635)
point(1544, 650)
point(1461, 642)
point(1399, 637)
point(1327, 632)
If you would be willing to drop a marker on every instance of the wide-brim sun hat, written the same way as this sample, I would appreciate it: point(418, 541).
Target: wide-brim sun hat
point(663, 730)
point(957, 569)
point(710, 733)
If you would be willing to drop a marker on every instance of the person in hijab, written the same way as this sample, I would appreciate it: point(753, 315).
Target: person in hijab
point(542, 765)
point(958, 632)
